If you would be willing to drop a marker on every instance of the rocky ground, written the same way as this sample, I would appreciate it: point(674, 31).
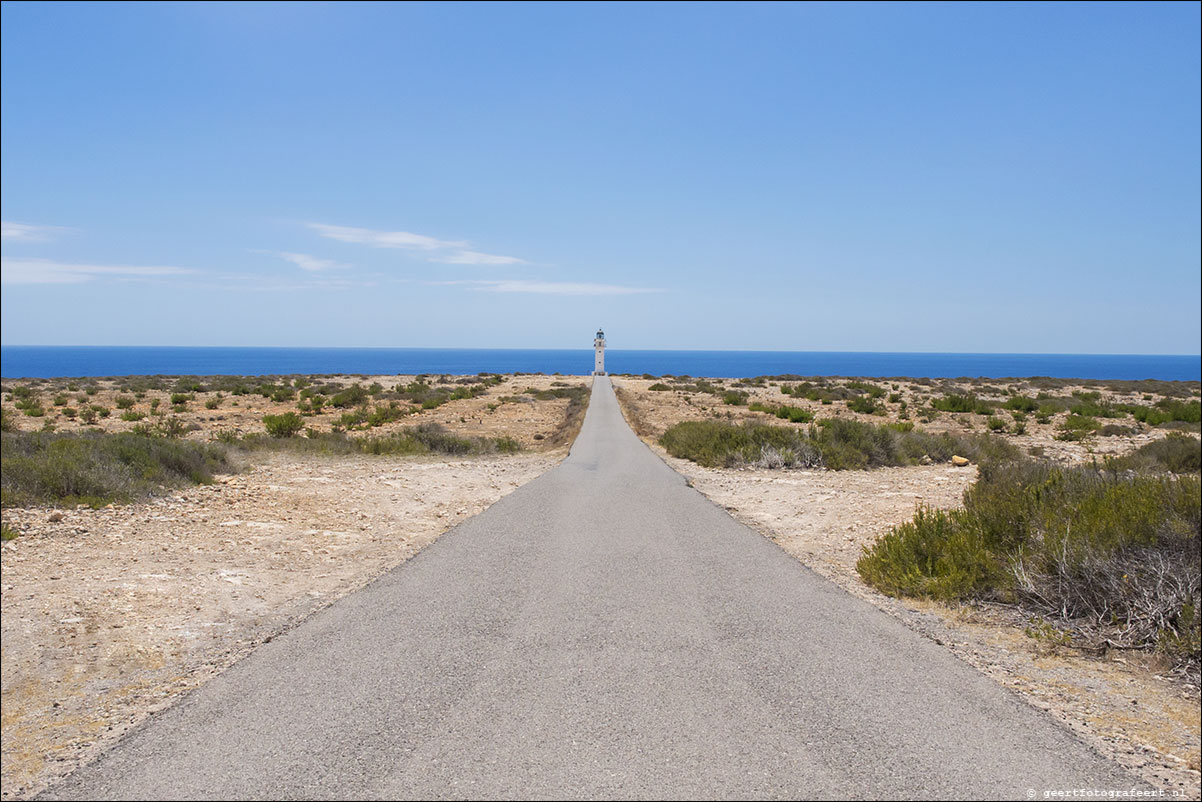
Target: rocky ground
point(511, 408)
point(110, 614)
point(1125, 705)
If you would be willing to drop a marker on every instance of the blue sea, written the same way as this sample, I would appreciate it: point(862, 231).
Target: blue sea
point(23, 361)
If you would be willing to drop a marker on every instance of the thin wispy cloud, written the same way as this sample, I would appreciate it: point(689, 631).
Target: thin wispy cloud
point(550, 287)
point(305, 261)
point(11, 231)
point(46, 271)
point(476, 258)
point(384, 239)
point(456, 252)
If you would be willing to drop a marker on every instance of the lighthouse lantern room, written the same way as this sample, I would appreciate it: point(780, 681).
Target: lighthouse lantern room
point(599, 349)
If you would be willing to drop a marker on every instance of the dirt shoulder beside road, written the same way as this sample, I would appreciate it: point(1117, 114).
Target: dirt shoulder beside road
point(110, 614)
point(1120, 704)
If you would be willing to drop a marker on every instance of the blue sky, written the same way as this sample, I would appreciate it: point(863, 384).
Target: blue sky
point(882, 177)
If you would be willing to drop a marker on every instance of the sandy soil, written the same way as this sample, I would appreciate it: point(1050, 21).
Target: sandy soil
point(657, 410)
point(508, 409)
point(1142, 719)
point(110, 614)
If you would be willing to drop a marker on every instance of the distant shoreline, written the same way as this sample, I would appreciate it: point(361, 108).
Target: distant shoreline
point(45, 362)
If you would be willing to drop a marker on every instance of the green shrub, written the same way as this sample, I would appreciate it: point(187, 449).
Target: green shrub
point(864, 405)
point(1077, 427)
point(132, 415)
point(717, 444)
point(1168, 410)
point(784, 412)
point(834, 443)
point(871, 389)
point(659, 387)
point(954, 403)
point(734, 397)
point(353, 396)
point(938, 554)
point(1021, 403)
point(285, 425)
point(125, 402)
point(1105, 552)
point(428, 438)
point(996, 424)
point(96, 468)
point(386, 414)
point(1177, 453)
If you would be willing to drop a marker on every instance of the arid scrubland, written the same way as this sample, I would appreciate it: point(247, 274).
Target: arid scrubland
point(158, 528)
point(152, 543)
point(953, 469)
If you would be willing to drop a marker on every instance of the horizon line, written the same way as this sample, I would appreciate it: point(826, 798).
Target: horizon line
point(625, 350)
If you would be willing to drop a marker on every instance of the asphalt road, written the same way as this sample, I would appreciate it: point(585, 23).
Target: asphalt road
point(604, 631)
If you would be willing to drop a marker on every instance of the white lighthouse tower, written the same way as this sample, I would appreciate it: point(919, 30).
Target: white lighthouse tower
point(599, 349)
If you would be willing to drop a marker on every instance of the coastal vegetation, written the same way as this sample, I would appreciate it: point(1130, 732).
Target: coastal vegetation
point(1106, 554)
point(833, 443)
point(96, 468)
point(1082, 522)
point(425, 438)
point(162, 438)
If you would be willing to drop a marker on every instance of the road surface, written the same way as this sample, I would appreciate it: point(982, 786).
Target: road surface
point(604, 631)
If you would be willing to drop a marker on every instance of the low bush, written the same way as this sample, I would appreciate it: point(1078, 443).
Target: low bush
point(734, 397)
point(1114, 556)
point(834, 443)
point(1168, 410)
point(1077, 427)
point(429, 438)
point(784, 412)
point(1021, 403)
point(285, 425)
point(1177, 453)
point(962, 403)
point(95, 468)
point(353, 396)
point(717, 444)
point(864, 405)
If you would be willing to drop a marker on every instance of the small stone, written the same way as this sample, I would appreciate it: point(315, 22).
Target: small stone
point(959, 461)
point(55, 517)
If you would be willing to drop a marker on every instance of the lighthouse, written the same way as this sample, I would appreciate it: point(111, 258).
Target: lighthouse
point(599, 350)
